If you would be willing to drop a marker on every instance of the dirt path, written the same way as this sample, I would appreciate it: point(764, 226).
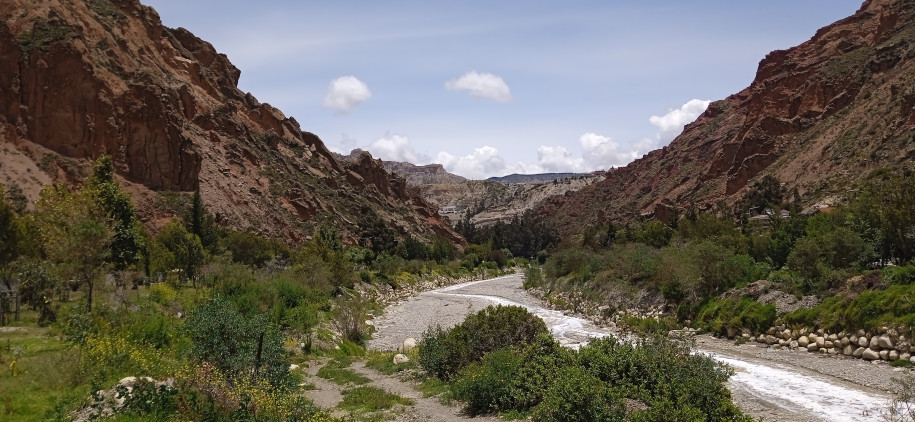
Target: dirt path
point(328, 395)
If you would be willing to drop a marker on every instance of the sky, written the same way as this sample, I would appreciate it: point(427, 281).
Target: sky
point(489, 88)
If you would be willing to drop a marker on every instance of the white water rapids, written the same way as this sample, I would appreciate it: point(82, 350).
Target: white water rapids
point(788, 393)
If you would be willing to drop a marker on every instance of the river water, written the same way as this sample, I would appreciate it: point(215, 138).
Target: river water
point(774, 391)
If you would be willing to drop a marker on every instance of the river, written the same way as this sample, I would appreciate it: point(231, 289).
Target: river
point(774, 391)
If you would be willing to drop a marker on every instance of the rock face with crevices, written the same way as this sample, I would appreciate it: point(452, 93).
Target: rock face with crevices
point(83, 78)
point(819, 117)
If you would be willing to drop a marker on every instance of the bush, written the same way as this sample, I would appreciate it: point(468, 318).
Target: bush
point(578, 396)
point(235, 344)
point(443, 353)
point(486, 385)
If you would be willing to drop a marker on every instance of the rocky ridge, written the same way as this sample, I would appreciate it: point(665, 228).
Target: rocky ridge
point(819, 117)
point(83, 78)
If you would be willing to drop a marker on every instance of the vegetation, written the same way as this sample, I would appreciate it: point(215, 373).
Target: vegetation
point(649, 379)
point(222, 313)
point(856, 254)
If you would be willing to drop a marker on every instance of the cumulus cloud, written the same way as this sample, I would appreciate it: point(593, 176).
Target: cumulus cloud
point(483, 162)
point(557, 160)
point(395, 148)
point(671, 124)
point(345, 94)
point(483, 85)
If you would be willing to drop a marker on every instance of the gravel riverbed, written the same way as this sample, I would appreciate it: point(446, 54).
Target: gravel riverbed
point(825, 379)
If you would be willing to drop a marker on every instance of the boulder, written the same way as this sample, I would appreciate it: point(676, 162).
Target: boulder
point(875, 343)
point(812, 347)
point(821, 341)
point(859, 352)
point(893, 356)
point(885, 342)
point(862, 341)
point(770, 339)
point(870, 354)
point(400, 358)
point(828, 344)
point(793, 344)
point(832, 337)
point(293, 367)
point(848, 350)
point(884, 354)
point(845, 341)
point(802, 341)
point(408, 344)
point(905, 356)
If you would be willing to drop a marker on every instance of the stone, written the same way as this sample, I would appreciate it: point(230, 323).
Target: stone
point(812, 347)
point(408, 344)
point(400, 358)
point(875, 343)
point(893, 356)
point(793, 344)
point(862, 341)
point(821, 342)
point(770, 339)
point(828, 344)
point(786, 334)
point(845, 341)
point(832, 337)
point(293, 367)
point(885, 342)
point(859, 352)
point(905, 356)
point(848, 350)
point(802, 341)
point(869, 354)
point(860, 333)
point(884, 354)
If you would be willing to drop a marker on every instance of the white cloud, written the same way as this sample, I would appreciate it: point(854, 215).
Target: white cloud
point(345, 94)
point(483, 85)
point(482, 163)
point(671, 124)
point(557, 160)
point(396, 148)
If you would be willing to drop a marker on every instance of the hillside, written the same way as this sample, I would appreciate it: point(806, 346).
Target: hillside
point(819, 117)
point(79, 79)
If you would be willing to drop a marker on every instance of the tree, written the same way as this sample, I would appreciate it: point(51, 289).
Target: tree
point(75, 234)
point(11, 231)
point(201, 223)
point(182, 250)
point(127, 239)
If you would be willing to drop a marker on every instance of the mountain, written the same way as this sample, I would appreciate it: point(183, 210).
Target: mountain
point(79, 79)
point(819, 117)
point(536, 178)
point(414, 175)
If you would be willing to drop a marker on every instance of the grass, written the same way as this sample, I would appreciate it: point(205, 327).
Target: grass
point(371, 399)
point(338, 372)
point(46, 382)
point(383, 362)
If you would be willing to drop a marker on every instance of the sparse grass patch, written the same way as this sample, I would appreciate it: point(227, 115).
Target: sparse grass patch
point(383, 362)
point(432, 387)
point(338, 372)
point(371, 399)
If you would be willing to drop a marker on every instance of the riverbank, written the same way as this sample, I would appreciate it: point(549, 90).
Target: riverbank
point(819, 389)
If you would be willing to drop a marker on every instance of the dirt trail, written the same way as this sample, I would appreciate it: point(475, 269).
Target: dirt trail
point(328, 395)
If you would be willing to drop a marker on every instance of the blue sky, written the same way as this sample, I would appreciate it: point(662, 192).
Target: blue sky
point(489, 88)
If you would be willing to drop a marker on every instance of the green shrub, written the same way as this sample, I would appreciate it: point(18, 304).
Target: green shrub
point(717, 316)
point(899, 275)
point(443, 353)
point(578, 396)
point(486, 385)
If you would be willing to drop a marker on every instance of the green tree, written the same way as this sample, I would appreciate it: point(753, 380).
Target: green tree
point(201, 223)
point(12, 231)
point(75, 234)
point(181, 250)
point(127, 232)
